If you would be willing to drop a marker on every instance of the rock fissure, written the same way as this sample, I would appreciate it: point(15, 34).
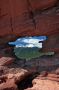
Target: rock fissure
point(31, 14)
point(26, 83)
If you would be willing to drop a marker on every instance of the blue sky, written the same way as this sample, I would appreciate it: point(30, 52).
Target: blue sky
point(29, 41)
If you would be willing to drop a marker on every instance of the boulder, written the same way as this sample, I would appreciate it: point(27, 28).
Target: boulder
point(8, 85)
point(6, 61)
point(9, 80)
point(47, 83)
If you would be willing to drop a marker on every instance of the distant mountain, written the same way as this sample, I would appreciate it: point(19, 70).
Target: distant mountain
point(29, 53)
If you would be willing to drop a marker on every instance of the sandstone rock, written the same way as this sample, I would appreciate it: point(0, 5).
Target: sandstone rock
point(57, 71)
point(44, 83)
point(6, 60)
point(19, 75)
point(8, 85)
point(3, 70)
point(18, 15)
point(51, 44)
point(44, 4)
point(43, 74)
point(29, 18)
point(11, 78)
point(25, 17)
point(44, 63)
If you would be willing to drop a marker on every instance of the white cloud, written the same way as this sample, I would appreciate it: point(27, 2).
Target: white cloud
point(39, 45)
point(29, 45)
point(29, 42)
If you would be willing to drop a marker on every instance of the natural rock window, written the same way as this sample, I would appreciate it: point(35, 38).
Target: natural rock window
point(29, 47)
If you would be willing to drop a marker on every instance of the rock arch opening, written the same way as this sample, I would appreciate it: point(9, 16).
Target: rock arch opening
point(30, 47)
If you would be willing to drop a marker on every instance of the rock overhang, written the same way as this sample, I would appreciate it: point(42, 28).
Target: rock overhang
point(28, 18)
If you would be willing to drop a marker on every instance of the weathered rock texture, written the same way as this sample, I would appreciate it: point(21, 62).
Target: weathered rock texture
point(28, 18)
point(16, 17)
point(20, 18)
point(47, 83)
point(9, 80)
point(51, 44)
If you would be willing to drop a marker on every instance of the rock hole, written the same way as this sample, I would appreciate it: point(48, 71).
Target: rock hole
point(28, 47)
point(26, 83)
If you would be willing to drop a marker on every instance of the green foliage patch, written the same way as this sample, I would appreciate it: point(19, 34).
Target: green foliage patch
point(29, 53)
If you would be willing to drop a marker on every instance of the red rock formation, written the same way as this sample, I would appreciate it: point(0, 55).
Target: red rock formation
point(47, 83)
point(42, 4)
point(28, 18)
point(10, 80)
point(20, 18)
point(6, 61)
point(51, 44)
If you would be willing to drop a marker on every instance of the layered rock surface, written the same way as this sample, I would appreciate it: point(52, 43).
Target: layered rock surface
point(47, 83)
point(21, 18)
point(9, 81)
point(12, 75)
point(51, 44)
point(29, 18)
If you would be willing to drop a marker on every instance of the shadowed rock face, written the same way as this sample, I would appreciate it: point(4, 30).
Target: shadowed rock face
point(47, 83)
point(28, 18)
point(51, 44)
